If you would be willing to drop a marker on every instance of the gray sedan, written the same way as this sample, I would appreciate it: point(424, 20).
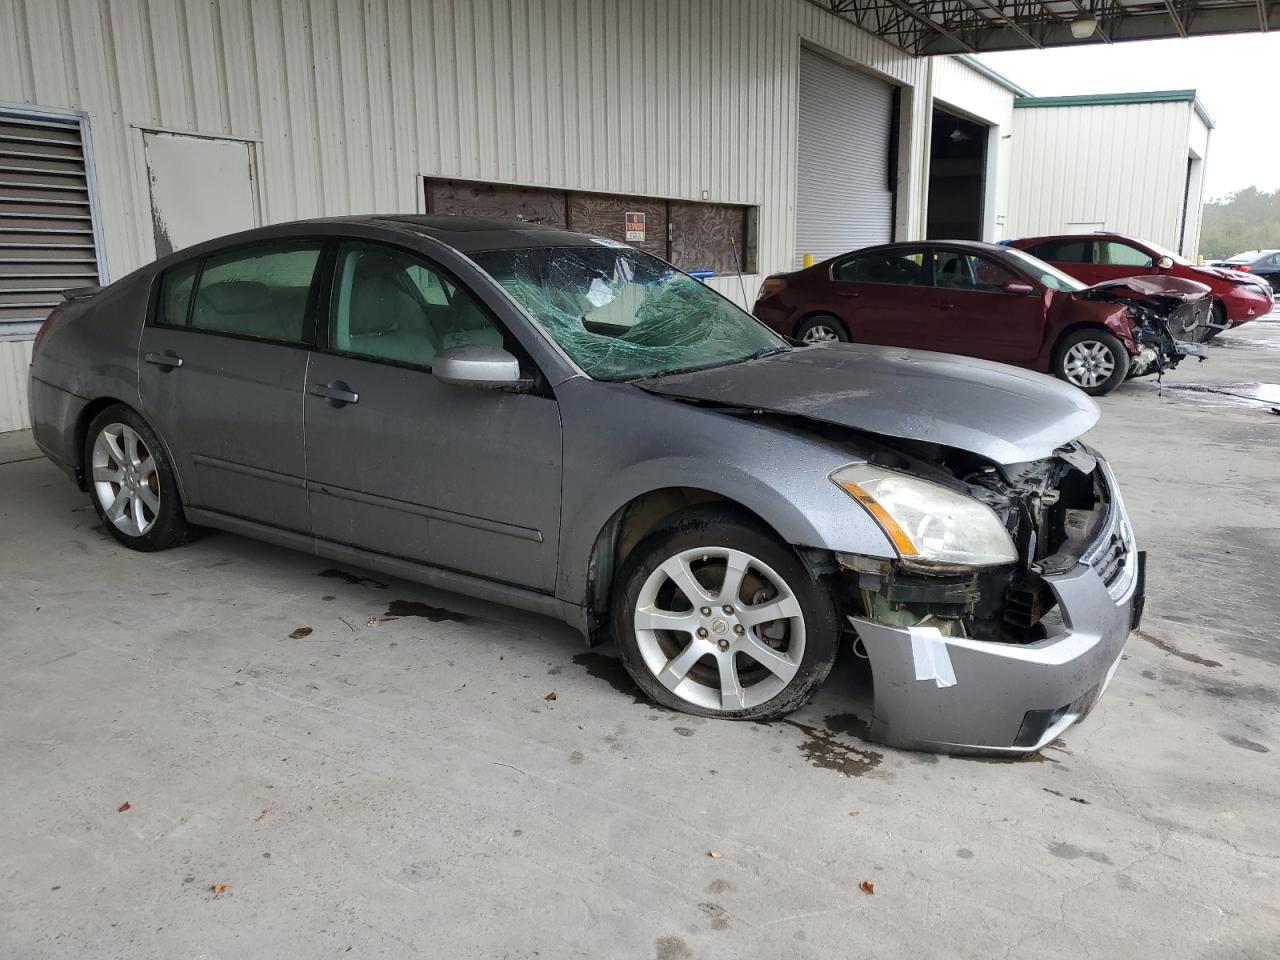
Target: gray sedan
point(568, 425)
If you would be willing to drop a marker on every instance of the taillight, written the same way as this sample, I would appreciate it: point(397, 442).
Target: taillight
point(1242, 267)
point(44, 327)
point(770, 286)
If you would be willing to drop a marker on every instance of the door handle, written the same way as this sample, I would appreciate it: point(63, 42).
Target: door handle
point(848, 293)
point(165, 361)
point(948, 306)
point(337, 393)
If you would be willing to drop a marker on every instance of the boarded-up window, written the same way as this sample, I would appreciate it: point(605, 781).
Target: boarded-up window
point(46, 219)
point(689, 234)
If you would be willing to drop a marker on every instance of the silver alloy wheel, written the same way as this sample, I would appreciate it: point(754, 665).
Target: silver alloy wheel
point(1089, 363)
point(678, 629)
point(125, 479)
point(820, 333)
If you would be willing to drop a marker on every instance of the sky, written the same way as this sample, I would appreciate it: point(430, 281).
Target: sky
point(1237, 78)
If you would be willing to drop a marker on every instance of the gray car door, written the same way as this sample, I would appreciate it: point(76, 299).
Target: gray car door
point(402, 464)
point(222, 367)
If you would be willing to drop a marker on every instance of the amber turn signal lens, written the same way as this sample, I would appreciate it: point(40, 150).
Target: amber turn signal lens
point(770, 286)
point(890, 526)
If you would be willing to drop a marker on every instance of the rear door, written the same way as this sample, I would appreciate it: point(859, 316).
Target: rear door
point(887, 296)
point(221, 369)
point(980, 317)
point(401, 464)
point(1072, 255)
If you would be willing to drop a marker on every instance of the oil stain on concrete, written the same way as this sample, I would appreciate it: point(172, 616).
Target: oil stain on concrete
point(414, 608)
point(611, 671)
point(821, 748)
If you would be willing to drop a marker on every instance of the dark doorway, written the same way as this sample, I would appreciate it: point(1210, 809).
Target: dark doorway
point(957, 177)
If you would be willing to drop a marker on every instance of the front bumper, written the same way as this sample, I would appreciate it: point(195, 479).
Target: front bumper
point(957, 695)
point(1244, 303)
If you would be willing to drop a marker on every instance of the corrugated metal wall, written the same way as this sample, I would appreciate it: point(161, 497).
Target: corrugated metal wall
point(349, 101)
point(15, 356)
point(1122, 165)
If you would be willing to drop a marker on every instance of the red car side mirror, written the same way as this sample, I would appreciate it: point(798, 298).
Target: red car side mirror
point(1017, 287)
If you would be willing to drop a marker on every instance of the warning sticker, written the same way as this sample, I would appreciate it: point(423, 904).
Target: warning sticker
point(635, 226)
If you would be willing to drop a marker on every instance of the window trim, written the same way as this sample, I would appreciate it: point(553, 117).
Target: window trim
point(927, 265)
point(323, 339)
point(308, 338)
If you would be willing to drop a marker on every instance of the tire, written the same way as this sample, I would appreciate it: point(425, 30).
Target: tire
point(741, 667)
point(1093, 360)
point(146, 489)
point(822, 328)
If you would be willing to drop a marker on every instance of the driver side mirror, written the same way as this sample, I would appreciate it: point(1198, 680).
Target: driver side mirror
point(1017, 288)
point(1165, 263)
point(490, 368)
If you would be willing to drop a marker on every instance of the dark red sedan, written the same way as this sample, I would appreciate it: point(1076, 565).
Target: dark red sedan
point(993, 302)
point(1238, 296)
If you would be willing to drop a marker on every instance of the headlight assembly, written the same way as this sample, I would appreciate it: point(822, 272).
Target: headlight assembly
point(926, 522)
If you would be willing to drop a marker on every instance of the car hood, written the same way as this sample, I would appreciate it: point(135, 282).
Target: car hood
point(1155, 291)
point(1003, 413)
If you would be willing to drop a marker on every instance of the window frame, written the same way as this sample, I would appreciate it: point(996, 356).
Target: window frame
point(1088, 244)
point(1015, 273)
point(926, 265)
point(308, 338)
point(326, 302)
point(1149, 254)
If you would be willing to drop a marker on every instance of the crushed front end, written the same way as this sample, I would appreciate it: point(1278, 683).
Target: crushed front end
point(1170, 319)
point(1001, 660)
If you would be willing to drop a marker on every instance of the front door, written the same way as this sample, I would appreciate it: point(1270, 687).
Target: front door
point(221, 373)
point(1115, 260)
point(978, 316)
point(398, 462)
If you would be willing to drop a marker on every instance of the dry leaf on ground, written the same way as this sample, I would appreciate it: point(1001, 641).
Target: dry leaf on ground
point(300, 633)
point(867, 887)
point(219, 889)
point(550, 696)
point(713, 854)
point(123, 807)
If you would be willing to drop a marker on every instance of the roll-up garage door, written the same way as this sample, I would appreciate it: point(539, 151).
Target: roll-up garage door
point(46, 221)
point(843, 200)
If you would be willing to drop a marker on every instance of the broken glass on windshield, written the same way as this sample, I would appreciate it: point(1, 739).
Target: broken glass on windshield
point(621, 314)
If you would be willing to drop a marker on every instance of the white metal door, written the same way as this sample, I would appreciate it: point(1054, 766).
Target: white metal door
point(201, 187)
point(843, 199)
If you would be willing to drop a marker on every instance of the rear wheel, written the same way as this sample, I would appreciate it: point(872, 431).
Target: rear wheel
point(1093, 360)
point(1218, 319)
point(713, 616)
point(131, 482)
point(822, 329)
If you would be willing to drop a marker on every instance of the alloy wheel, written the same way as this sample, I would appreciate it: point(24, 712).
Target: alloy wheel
point(1089, 363)
point(820, 333)
point(125, 479)
point(719, 628)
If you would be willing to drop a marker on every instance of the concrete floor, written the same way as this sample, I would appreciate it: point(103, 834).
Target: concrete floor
point(405, 788)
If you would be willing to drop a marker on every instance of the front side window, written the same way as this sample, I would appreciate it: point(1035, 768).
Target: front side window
point(956, 270)
point(1070, 250)
point(259, 293)
point(901, 267)
point(1117, 254)
point(621, 314)
point(390, 305)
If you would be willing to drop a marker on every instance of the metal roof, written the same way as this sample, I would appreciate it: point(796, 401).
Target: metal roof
point(929, 27)
point(1104, 99)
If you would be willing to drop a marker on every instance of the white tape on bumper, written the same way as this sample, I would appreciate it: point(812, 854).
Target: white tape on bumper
point(931, 657)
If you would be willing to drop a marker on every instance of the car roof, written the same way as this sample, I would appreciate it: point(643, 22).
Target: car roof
point(470, 234)
point(975, 245)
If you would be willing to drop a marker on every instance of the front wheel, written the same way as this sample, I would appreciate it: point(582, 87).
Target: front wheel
point(131, 482)
point(714, 617)
point(1217, 321)
point(1093, 360)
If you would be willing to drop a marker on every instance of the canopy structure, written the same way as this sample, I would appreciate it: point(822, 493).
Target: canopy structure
point(929, 27)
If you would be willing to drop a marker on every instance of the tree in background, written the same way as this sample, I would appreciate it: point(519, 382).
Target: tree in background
point(1247, 220)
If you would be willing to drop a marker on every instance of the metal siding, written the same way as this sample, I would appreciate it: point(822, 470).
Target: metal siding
point(353, 101)
point(1123, 165)
point(15, 357)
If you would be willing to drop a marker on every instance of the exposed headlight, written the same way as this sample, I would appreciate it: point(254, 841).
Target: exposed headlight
point(925, 521)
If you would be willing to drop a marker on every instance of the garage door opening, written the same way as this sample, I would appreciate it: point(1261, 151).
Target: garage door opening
point(845, 166)
point(957, 177)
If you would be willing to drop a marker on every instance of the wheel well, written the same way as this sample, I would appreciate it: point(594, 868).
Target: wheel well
point(812, 314)
point(1057, 344)
point(635, 520)
point(91, 410)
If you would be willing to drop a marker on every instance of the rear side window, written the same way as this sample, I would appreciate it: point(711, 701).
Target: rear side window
point(257, 293)
point(900, 267)
point(175, 293)
point(1063, 251)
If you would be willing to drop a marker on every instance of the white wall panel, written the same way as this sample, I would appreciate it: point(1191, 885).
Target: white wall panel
point(1122, 165)
point(15, 357)
point(349, 102)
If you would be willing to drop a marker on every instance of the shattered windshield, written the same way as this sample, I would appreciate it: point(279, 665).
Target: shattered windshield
point(622, 314)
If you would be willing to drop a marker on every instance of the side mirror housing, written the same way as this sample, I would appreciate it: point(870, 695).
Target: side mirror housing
point(491, 368)
point(1165, 263)
point(1018, 288)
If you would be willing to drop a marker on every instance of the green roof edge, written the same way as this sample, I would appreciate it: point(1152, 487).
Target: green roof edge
point(1105, 99)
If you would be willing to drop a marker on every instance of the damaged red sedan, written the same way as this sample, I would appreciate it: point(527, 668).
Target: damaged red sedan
point(996, 303)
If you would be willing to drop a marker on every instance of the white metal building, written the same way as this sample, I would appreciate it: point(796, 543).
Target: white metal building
point(747, 131)
point(1131, 163)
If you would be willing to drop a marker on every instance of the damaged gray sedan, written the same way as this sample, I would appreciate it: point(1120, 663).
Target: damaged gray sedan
point(568, 425)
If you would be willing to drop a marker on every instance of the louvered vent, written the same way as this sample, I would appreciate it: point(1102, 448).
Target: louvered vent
point(46, 224)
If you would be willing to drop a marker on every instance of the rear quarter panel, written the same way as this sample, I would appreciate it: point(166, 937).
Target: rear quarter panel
point(89, 353)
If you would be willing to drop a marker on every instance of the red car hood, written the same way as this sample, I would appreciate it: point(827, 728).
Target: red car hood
point(1156, 291)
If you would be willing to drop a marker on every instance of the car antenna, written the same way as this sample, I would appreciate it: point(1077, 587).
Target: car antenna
point(737, 262)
